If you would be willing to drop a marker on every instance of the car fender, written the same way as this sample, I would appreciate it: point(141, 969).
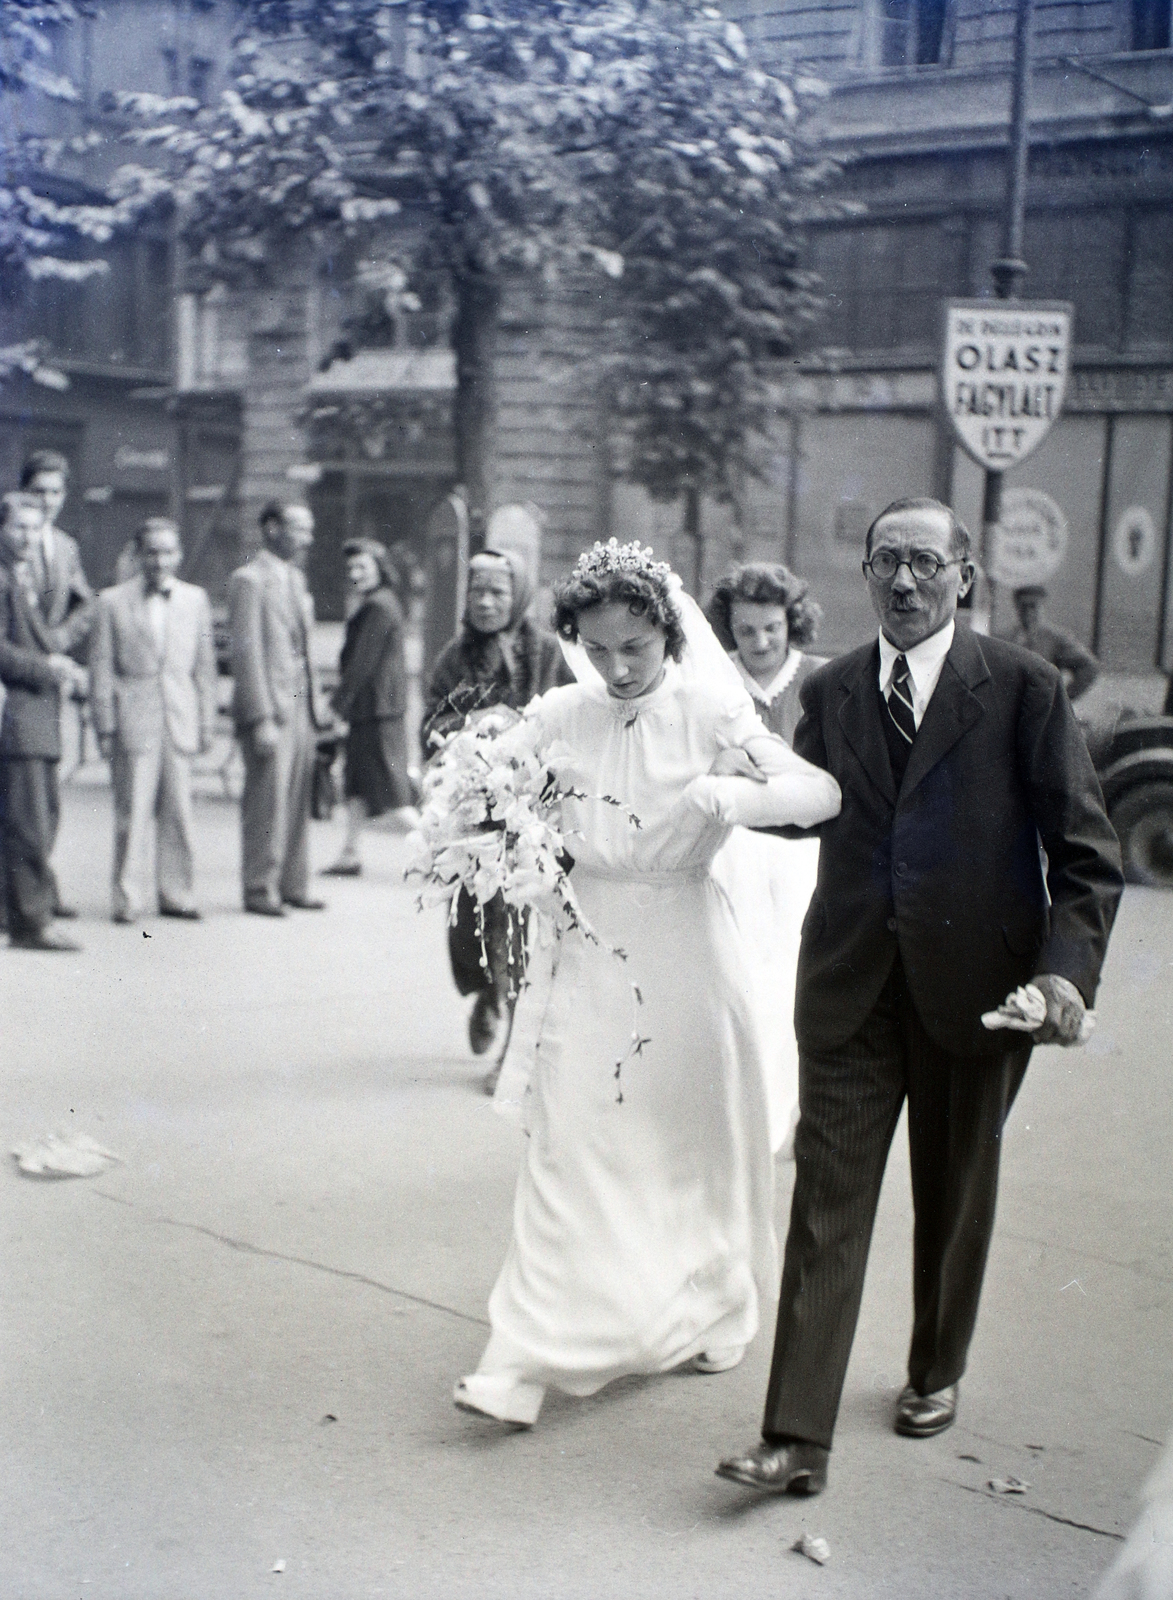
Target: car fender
point(1142, 766)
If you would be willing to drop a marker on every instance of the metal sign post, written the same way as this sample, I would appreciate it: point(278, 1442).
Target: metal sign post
point(1003, 402)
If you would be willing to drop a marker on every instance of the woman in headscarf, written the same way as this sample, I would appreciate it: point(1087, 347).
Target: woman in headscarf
point(371, 698)
point(499, 657)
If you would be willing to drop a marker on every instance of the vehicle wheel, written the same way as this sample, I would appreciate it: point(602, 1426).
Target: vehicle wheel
point(1143, 819)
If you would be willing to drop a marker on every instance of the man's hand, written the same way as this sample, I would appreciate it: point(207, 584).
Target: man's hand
point(1065, 1010)
point(106, 746)
point(265, 734)
point(63, 669)
point(733, 762)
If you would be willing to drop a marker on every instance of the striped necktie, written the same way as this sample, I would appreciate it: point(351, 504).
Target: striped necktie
point(900, 700)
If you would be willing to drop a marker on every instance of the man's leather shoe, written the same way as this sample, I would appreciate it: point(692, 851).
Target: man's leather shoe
point(265, 908)
point(305, 904)
point(40, 940)
point(920, 1416)
point(790, 1467)
point(66, 913)
point(123, 918)
point(343, 869)
point(188, 913)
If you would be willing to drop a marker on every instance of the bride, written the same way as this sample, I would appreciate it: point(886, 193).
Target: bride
point(643, 1217)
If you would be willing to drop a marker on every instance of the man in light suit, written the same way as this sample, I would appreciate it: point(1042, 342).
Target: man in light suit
point(270, 615)
point(958, 756)
point(153, 688)
point(34, 672)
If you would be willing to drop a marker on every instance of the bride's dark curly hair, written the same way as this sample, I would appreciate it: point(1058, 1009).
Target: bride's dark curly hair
point(642, 594)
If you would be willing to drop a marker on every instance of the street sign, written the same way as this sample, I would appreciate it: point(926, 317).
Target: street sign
point(1003, 375)
point(1030, 541)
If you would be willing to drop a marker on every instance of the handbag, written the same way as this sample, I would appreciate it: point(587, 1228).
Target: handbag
point(324, 786)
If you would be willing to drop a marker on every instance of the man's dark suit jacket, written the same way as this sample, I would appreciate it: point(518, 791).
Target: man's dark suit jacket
point(948, 872)
point(31, 720)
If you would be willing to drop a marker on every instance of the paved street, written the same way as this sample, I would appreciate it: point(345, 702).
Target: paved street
point(237, 1348)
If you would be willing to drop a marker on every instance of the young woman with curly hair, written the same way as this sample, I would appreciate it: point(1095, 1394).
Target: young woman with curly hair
point(764, 615)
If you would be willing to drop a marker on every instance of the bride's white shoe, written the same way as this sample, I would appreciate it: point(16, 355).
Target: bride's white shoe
point(723, 1360)
point(501, 1397)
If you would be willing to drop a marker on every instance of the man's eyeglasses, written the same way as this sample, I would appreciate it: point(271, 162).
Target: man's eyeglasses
point(923, 565)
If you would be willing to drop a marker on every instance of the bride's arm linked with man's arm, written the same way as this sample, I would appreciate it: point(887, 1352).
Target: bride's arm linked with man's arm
point(763, 784)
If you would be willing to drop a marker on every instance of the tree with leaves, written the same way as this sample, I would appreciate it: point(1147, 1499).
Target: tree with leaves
point(521, 137)
point(48, 227)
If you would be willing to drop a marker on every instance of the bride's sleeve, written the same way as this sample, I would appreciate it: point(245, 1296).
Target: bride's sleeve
point(795, 793)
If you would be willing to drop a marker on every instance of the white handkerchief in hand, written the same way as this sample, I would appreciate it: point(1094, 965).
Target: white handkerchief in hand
point(1025, 1011)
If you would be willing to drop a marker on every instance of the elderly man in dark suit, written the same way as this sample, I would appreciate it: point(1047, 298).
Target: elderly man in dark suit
point(960, 763)
point(270, 614)
point(34, 670)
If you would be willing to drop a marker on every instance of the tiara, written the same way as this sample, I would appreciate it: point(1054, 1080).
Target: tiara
point(603, 559)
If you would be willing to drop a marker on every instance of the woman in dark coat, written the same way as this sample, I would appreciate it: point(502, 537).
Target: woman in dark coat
point(499, 657)
point(371, 698)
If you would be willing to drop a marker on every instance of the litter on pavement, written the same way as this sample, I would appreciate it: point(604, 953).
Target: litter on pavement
point(63, 1155)
point(817, 1550)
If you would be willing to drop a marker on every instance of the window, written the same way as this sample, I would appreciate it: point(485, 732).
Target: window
point(913, 33)
point(1150, 24)
point(1150, 280)
point(884, 283)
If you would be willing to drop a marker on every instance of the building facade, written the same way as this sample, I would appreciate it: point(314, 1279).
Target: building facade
point(919, 114)
point(200, 400)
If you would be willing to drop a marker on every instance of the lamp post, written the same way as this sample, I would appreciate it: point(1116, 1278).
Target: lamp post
point(1009, 269)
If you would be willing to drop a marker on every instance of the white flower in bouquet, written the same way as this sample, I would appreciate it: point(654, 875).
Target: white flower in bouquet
point(490, 821)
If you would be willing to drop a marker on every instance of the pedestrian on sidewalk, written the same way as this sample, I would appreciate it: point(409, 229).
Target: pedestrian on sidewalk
point(67, 601)
point(153, 688)
point(270, 617)
point(371, 698)
point(1078, 666)
point(956, 755)
point(34, 671)
point(500, 657)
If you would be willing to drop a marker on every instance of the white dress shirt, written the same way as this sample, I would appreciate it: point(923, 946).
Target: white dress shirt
point(925, 661)
point(157, 616)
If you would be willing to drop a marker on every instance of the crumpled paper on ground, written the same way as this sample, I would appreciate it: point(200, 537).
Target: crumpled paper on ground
point(63, 1155)
point(1008, 1485)
point(817, 1550)
point(1026, 1009)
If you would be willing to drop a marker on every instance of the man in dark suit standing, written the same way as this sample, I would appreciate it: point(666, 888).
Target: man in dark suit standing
point(957, 756)
point(67, 601)
point(34, 670)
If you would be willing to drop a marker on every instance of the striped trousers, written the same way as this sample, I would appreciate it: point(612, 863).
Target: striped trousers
point(849, 1104)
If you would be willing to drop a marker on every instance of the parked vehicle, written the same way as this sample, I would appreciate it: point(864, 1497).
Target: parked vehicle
point(1134, 759)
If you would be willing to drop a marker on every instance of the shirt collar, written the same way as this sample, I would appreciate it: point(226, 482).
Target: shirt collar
point(924, 659)
point(765, 693)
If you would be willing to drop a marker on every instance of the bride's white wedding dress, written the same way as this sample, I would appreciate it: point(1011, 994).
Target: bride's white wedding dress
point(643, 1217)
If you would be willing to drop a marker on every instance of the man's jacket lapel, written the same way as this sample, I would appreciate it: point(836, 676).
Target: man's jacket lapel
point(30, 610)
point(954, 708)
point(859, 717)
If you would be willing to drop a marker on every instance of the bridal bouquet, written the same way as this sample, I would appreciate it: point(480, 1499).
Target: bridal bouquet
point(491, 822)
